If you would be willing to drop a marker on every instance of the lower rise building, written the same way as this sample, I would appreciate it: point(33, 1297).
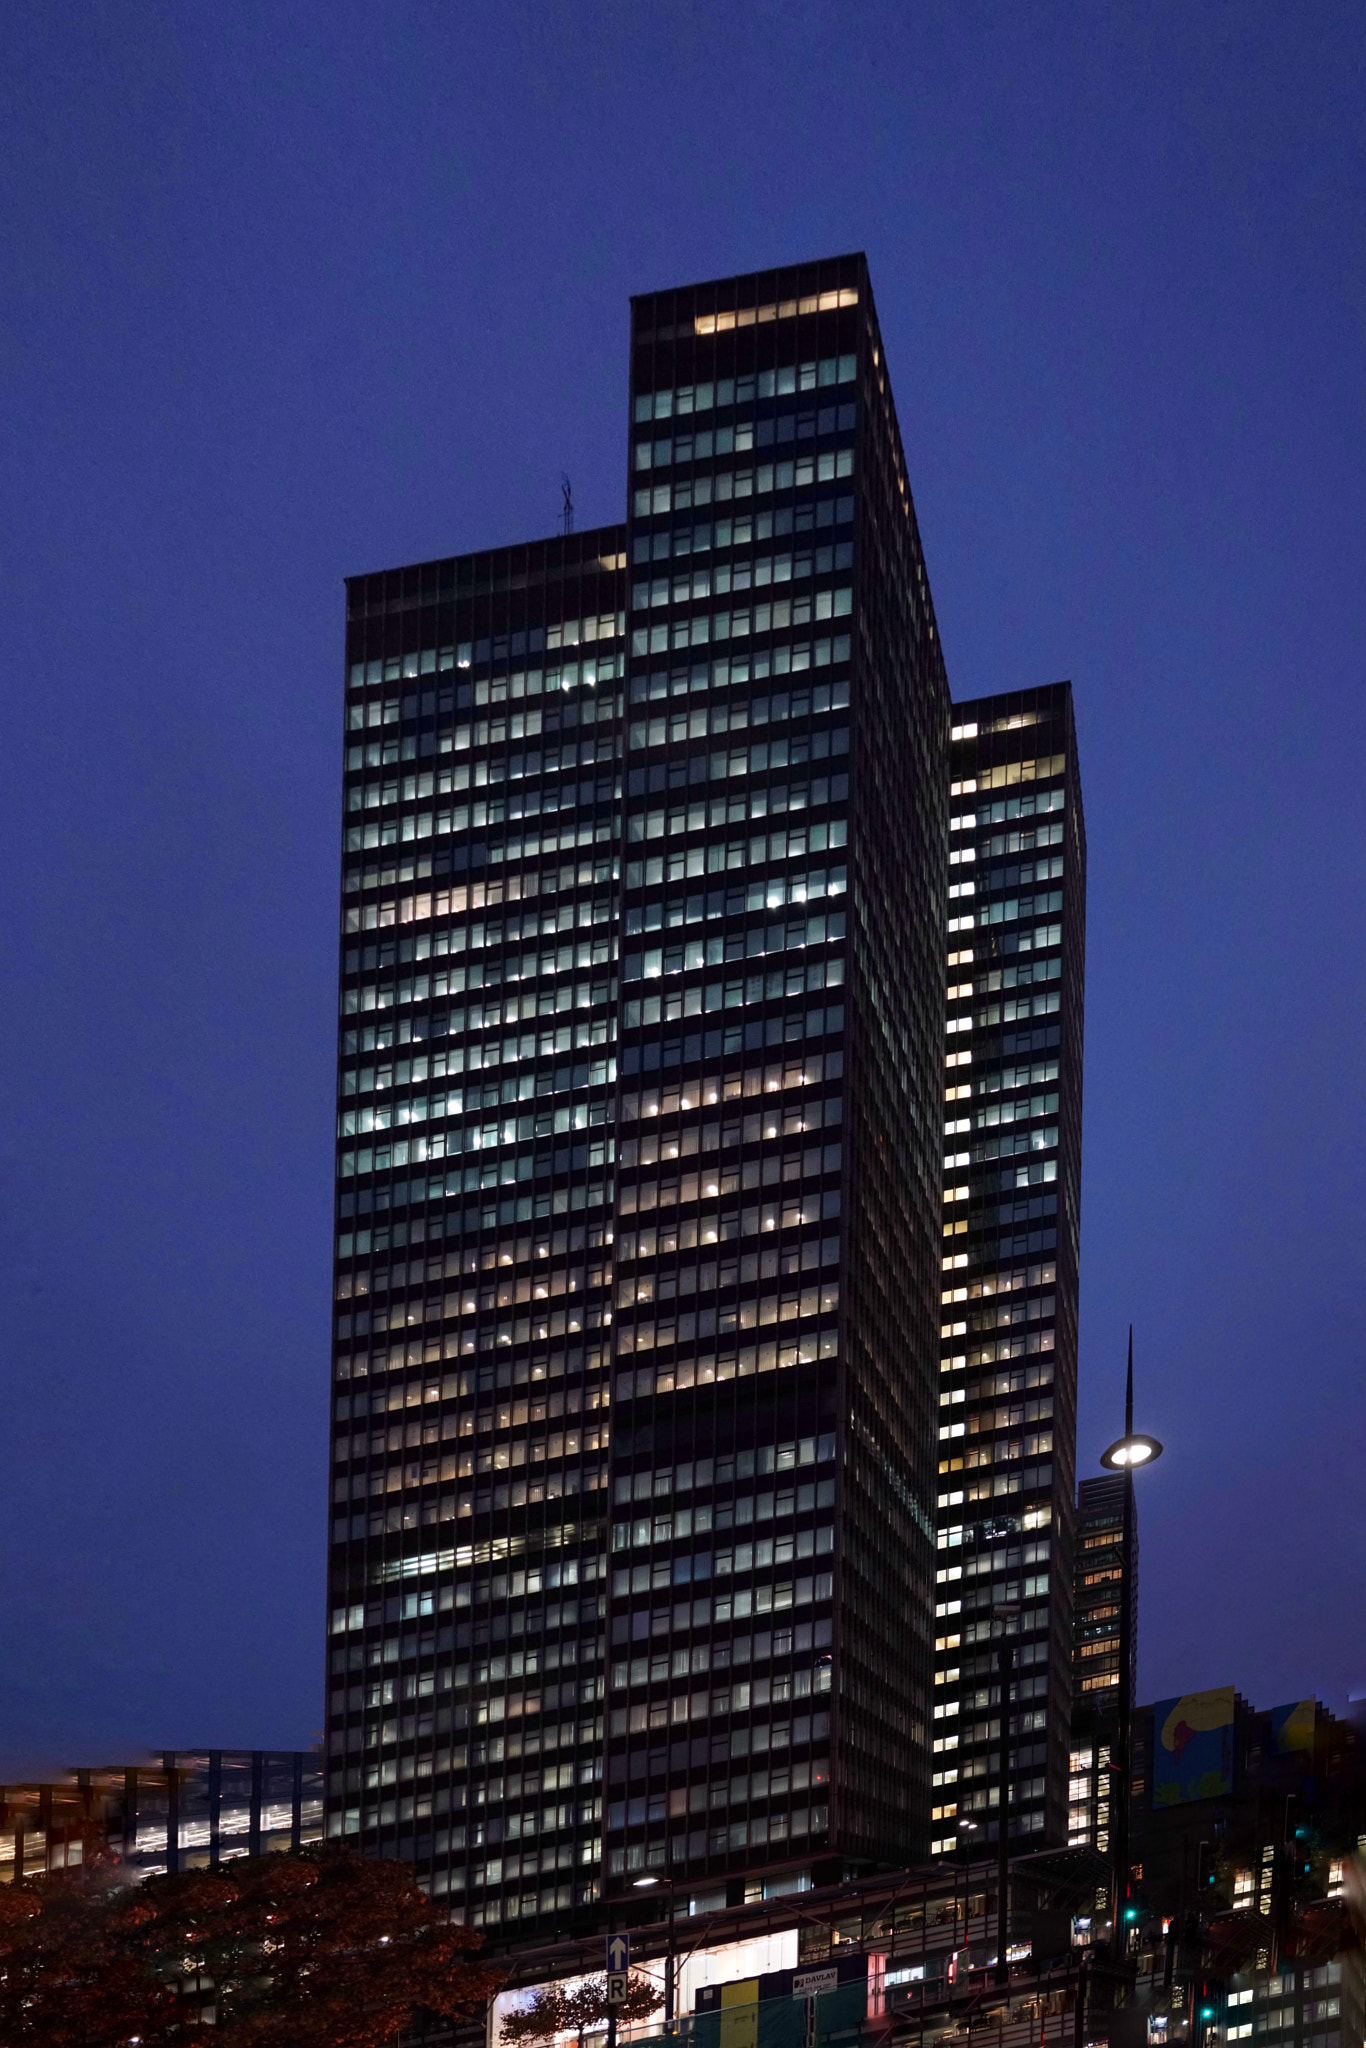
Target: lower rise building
point(1099, 1660)
point(187, 1810)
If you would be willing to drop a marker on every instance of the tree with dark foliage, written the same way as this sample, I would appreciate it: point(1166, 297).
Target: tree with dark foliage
point(553, 2010)
point(317, 1949)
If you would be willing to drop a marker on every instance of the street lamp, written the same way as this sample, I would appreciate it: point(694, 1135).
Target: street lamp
point(966, 1829)
point(646, 1884)
point(1125, 1455)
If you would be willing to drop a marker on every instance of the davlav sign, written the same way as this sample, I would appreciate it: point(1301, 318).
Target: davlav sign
point(811, 1983)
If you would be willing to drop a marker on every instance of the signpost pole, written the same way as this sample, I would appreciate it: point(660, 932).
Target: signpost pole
point(618, 1969)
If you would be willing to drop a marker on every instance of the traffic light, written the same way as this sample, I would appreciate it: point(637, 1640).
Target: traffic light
point(1209, 2006)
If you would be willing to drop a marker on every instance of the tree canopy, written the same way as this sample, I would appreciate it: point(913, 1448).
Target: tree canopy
point(554, 2010)
point(321, 1948)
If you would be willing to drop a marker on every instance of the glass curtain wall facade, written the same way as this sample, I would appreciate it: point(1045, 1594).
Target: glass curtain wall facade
point(468, 1566)
point(1012, 1196)
point(781, 1032)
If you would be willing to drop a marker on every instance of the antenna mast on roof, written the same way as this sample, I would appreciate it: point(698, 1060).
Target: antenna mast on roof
point(567, 509)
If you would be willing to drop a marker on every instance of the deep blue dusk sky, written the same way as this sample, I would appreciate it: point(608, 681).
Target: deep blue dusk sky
point(288, 293)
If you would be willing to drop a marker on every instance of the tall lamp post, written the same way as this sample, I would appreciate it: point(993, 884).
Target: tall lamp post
point(645, 1884)
point(1125, 1455)
point(966, 1830)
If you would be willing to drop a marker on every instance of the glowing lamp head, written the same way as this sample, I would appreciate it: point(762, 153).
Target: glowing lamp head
point(1129, 1452)
point(641, 1883)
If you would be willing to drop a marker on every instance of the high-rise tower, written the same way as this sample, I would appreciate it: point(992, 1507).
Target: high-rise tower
point(474, 1220)
point(781, 1019)
point(638, 1373)
point(1011, 1237)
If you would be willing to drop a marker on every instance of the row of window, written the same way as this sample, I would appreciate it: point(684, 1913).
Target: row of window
point(740, 1791)
point(713, 1182)
point(753, 665)
point(457, 938)
point(776, 1076)
point(725, 486)
point(785, 1259)
point(538, 1449)
point(773, 894)
point(720, 1471)
point(1008, 842)
point(792, 1306)
point(704, 444)
point(431, 1229)
point(1015, 1416)
point(450, 1424)
point(720, 1516)
point(722, 856)
point(775, 617)
point(541, 1082)
point(780, 1216)
point(1028, 976)
point(728, 577)
point(1002, 1080)
point(1042, 769)
point(760, 803)
point(684, 399)
point(996, 814)
point(458, 1138)
point(527, 803)
point(742, 531)
point(701, 1844)
point(1010, 1282)
point(494, 888)
point(1011, 877)
point(951, 1537)
point(739, 715)
point(501, 647)
point(483, 733)
point(1042, 1306)
point(1016, 1177)
point(710, 1369)
point(544, 1322)
point(365, 796)
point(996, 1563)
point(463, 897)
point(778, 985)
point(1043, 1139)
point(499, 1172)
point(1005, 1348)
point(546, 1002)
point(995, 1114)
point(754, 942)
point(560, 683)
point(1008, 911)
point(566, 1483)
